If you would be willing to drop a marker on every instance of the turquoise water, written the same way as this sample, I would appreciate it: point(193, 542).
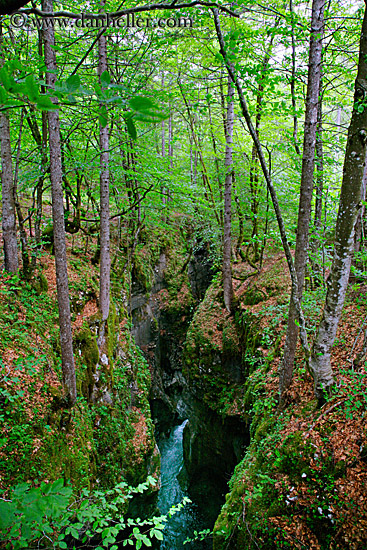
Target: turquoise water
point(198, 515)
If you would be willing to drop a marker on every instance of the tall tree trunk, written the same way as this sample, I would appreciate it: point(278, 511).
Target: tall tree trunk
point(26, 268)
point(227, 234)
point(7, 184)
point(170, 152)
point(208, 190)
point(293, 82)
point(316, 239)
point(349, 207)
point(68, 367)
point(305, 199)
point(105, 265)
point(216, 159)
point(8, 204)
point(359, 229)
point(269, 183)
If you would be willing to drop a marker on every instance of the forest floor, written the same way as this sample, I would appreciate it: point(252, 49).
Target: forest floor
point(303, 481)
point(304, 477)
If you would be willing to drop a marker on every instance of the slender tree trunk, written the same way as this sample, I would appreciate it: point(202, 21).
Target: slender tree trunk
point(8, 204)
point(68, 368)
point(293, 82)
point(320, 171)
point(227, 234)
point(105, 265)
point(7, 184)
point(315, 242)
point(305, 199)
point(359, 236)
point(209, 195)
point(216, 161)
point(349, 207)
point(269, 183)
point(170, 152)
point(26, 268)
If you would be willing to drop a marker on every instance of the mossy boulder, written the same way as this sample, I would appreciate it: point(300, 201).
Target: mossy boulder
point(85, 341)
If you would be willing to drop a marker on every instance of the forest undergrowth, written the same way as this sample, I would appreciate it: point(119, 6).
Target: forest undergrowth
point(302, 482)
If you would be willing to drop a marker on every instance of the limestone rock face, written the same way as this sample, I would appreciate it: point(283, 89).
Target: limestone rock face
point(213, 442)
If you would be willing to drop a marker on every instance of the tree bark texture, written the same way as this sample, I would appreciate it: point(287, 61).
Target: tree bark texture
point(305, 199)
point(349, 207)
point(227, 236)
point(68, 367)
point(8, 203)
point(105, 265)
point(293, 82)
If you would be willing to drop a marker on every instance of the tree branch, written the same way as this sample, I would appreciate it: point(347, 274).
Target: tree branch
point(272, 191)
point(127, 11)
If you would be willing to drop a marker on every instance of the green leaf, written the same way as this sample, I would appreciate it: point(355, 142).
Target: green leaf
point(131, 128)
point(142, 104)
point(5, 79)
point(103, 116)
point(158, 534)
point(57, 485)
point(105, 79)
point(44, 103)
point(73, 83)
point(31, 88)
point(7, 515)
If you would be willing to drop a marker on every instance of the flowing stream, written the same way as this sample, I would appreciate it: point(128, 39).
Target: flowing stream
point(198, 515)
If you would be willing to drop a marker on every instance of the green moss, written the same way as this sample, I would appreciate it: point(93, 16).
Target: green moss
point(39, 283)
point(112, 322)
point(48, 237)
point(85, 341)
point(254, 296)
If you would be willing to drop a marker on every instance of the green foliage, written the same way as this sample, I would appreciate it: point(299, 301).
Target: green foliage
point(354, 392)
point(199, 536)
point(52, 516)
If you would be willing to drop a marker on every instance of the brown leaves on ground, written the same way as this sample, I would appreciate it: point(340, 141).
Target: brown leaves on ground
point(140, 444)
point(332, 492)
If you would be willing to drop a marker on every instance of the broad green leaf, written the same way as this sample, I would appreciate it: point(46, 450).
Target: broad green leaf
point(31, 88)
point(7, 515)
point(5, 79)
point(44, 103)
point(105, 79)
point(73, 83)
point(131, 128)
point(142, 104)
point(57, 485)
point(103, 116)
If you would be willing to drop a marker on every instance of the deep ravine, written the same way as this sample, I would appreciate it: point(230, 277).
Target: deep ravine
point(197, 515)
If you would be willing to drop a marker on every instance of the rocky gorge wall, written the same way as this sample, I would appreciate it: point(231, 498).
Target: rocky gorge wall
point(164, 321)
point(108, 437)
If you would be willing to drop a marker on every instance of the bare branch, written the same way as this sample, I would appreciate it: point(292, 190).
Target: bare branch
point(136, 9)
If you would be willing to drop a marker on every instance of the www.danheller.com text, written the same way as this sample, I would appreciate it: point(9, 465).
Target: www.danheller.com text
point(87, 21)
